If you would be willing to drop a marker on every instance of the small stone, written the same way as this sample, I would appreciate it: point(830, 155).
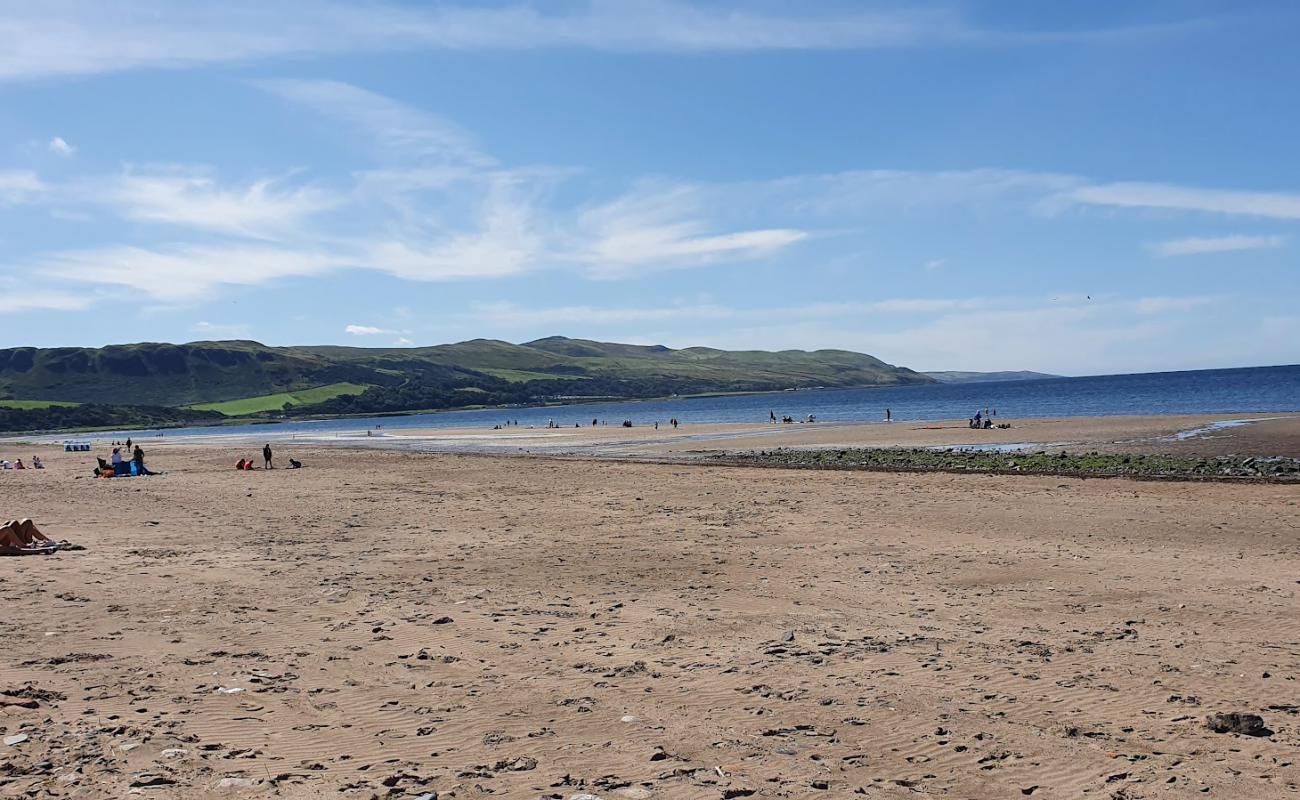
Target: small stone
point(789, 636)
point(628, 718)
point(633, 793)
point(236, 783)
point(443, 621)
point(16, 739)
point(129, 746)
point(584, 796)
point(174, 752)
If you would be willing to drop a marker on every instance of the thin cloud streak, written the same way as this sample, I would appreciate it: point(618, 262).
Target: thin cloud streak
point(1273, 205)
point(1196, 245)
point(80, 37)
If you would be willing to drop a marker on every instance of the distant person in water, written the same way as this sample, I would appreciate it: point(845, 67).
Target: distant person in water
point(266, 456)
point(771, 415)
point(889, 415)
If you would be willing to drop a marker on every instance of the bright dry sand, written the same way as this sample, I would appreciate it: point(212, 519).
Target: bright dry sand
point(482, 626)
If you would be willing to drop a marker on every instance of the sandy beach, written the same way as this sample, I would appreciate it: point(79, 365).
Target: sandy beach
point(386, 623)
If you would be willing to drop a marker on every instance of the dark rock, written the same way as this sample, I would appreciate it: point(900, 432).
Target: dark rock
point(145, 780)
point(1245, 724)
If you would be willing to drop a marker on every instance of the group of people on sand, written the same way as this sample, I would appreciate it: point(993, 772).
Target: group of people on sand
point(18, 463)
point(268, 461)
point(121, 466)
point(21, 537)
point(789, 420)
point(983, 420)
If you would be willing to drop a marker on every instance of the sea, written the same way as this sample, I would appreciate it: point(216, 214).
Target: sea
point(1215, 391)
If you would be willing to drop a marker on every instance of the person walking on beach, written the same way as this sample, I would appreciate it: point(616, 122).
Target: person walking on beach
point(772, 415)
point(889, 415)
point(266, 456)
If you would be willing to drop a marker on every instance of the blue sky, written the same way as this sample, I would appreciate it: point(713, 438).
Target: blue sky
point(1069, 187)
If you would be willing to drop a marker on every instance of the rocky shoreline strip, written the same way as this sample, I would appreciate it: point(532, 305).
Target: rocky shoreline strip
point(1063, 463)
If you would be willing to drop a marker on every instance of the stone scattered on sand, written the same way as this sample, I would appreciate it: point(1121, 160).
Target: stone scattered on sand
point(1247, 724)
point(147, 779)
point(16, 739)
point(236, 783)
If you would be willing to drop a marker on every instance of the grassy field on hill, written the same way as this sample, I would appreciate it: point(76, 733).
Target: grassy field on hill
point(275, 402)
point(27, 405)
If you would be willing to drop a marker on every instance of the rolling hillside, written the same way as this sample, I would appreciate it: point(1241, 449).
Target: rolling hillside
point(239, 378)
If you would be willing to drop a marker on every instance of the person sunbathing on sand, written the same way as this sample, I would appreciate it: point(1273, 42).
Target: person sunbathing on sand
point(22, 533)
point(21, 536)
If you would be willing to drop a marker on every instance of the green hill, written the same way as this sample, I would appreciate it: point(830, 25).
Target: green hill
point(242, 377)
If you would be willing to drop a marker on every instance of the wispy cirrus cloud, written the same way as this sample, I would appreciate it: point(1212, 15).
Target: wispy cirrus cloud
point(1198, 245)
point(1171, 197)
point(185, 273)
point(663, 227)
point(443, 210)
point(70, 37)
point(395, 126)
point(194, 199)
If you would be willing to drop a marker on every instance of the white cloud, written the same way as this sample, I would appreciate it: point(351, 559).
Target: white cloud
point(185, 273)
point(1274, 205)
point(366, 330)
point(65, 37)
point(1216, 244)
point(19, 186)
point(664, 227)
point(60, 147)
point(404, 342)
point(194, 199)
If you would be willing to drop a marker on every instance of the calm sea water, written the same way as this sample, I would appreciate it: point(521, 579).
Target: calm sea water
point(1250, 390)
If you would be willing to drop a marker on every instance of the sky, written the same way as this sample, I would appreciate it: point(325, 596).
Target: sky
point(1076, 188)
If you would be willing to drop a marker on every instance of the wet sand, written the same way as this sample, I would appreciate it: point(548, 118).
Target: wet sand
point(1266, 434)
point(397, 624)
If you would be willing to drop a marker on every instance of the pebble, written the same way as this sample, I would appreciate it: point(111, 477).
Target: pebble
point(629, 719)
point(16, 739)
point(236, 783)
point(233, 690)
